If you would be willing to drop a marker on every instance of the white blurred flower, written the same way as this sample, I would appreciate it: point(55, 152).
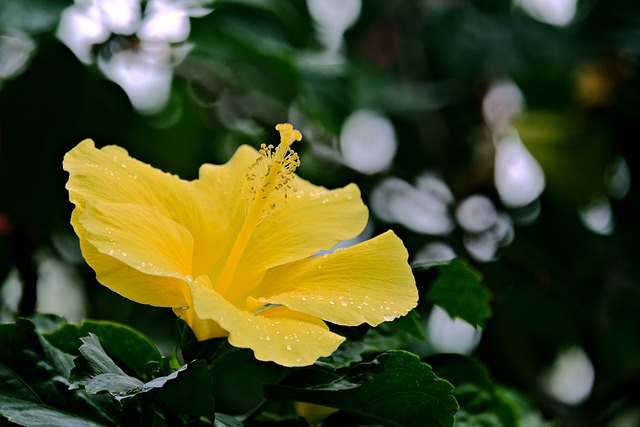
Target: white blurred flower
point(147, 83)
point(617, 178)
point(142, 62)
point(518, 176)
point(486, 229)
point(80, 29)
point(502, 102)
point(480, 246)
point(434, 252)
point(119, 16)
point(368, 142)
point(597, 216)
point(553, 12)
point(332, 18)
point(16, 50)
point(476, 213)
point(570, 378)
point(447, 335)
point(395, 200)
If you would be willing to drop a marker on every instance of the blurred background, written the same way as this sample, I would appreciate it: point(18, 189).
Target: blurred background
point(498, 131)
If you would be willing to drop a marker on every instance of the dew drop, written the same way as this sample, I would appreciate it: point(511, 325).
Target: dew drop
point(143, 264)
point(303, 298)
point(124, 254)
point(343, 303)
point(331, 302)
point(289, 347)
point(268, 338)
point(388, 317)
point(124, 166)
point(189, 278)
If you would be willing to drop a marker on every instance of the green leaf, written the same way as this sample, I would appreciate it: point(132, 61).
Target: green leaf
point(527, 414)
point(34, 380)
point(95, 371)
point(348, 353)
point(459, 290)
point(189, 391)
point(30, 414)
point(223, 420)
point(395, 389)
point(127, 346)
point(481, 402)
point(410, 323)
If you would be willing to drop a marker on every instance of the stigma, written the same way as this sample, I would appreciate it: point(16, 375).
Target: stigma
point(270, 174)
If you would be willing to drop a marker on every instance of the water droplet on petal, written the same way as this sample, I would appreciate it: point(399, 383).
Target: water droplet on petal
point(388, 317)
point(343, 303)
point(289, 347)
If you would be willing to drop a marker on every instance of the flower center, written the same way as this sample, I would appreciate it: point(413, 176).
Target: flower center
point(268, 176)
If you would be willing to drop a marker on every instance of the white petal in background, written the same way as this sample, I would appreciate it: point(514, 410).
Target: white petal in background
point(332, 18)
point(146, 81)
point(430, 183)
point(553, 12)
point(476, 213)
point(447, 335)
point(368, 142)
point(395, 200)
point(433, 252)
point(617, 178)
point(15, 51)
point(518, 176)
point(81, 28)
point(120, 16)
point(570, 378)
point(597, 216)
point(502, 102)
point(168, 24)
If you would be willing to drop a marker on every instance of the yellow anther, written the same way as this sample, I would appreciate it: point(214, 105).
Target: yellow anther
point(288, 134)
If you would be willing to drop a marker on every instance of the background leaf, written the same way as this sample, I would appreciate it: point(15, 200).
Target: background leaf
point(129, 347)
point(395, 389)
point(481, 402)
point(34, 382)
point(459, 290)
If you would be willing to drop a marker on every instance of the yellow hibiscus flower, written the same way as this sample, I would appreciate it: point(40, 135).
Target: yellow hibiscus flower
point(233, 252)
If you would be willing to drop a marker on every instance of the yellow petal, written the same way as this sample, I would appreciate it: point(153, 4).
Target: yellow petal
point(295, 223)
point(143, 239)
point(370, 282)
point(276, 334)
point(111, 175)
point(311, 219)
